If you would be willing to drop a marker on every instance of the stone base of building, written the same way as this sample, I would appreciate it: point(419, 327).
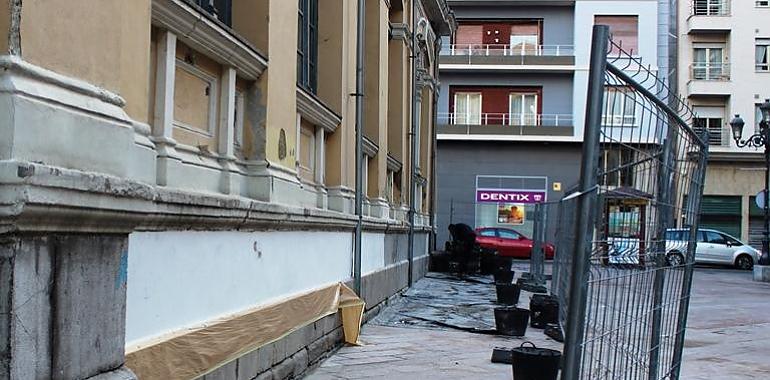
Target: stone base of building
point(303, 350)
point(762, 273)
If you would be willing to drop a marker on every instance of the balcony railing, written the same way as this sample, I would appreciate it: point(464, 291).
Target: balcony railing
point(508, 50)
point(710, 8)
point(710, 71)
point(512, 119)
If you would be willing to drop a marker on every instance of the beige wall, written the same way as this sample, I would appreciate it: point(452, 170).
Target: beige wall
point(103, 42)
point(398, 97)
point(251, 20)
point(281, 79)
point(376, 93)
point(5, 25)
point(733, 179)
point(340, 146)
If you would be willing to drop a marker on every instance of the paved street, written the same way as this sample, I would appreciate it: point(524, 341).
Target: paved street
point(728, 335)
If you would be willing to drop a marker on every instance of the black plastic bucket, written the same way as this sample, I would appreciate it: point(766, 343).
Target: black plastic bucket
point(504, 276)
point(488, 262)
point(507, 294)
point(532, 363)
point(544, 310)
point(503, 263)
point(511, 320)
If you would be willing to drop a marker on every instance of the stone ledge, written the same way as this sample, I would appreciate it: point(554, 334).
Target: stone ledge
point(37, 197)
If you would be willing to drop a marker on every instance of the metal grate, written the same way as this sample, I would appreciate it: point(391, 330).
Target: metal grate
point(624, 287)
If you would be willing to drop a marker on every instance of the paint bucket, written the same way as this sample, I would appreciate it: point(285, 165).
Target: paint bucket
point(439, 262)
point(504, 276)
point(544, 310)
point(504, 263)
point(487, 261)
point(507, 294)
point(532, 363)
point(511, 320)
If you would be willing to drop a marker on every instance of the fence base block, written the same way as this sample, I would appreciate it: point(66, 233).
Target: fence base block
point(762, 273)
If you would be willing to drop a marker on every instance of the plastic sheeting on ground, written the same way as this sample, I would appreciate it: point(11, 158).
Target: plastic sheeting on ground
point(195, 352)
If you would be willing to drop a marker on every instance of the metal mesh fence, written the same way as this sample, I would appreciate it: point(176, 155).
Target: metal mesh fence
point(625, 238)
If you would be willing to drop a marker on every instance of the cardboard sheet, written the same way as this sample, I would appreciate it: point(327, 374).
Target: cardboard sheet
point(195, 352)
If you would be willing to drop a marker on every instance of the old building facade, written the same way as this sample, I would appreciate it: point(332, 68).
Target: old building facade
point(167, 165)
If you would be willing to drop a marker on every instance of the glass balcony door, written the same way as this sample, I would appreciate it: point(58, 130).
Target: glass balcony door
point(708, 63)
point(522, 109)
point(467, 109)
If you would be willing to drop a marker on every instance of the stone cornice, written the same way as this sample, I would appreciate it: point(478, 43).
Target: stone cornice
point(208, 37)
point(369, 147)
point(35, 197)
point(394, 164)
point(315, 111)
point(400, 31)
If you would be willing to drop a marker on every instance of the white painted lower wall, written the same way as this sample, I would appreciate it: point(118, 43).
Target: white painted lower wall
point(184, 278)
point(372, 252)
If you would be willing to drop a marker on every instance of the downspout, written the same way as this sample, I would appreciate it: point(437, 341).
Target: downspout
point(434, 147)
point(413, 141)
point(359, 143)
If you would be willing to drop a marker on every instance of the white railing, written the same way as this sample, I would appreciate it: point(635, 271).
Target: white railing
point(710, 71)
point(506, 119)
point(710, 8)
point(508, 50)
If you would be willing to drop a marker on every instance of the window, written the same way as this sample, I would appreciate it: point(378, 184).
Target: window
point(714, 238)
point(522, 109)
point(731, 240)
point(708, 64)
point(762, 54)
point(467, 108)
point(389, 193)
point(307, 45)
point(710, 8)
point(487, 233)
point(525, 38)
point(619, 107)
point(762, 3)
point(508, 234)
point(624, 31)
point(615, 164)
point(220, 9)
point(677, 235)
point(713, 126)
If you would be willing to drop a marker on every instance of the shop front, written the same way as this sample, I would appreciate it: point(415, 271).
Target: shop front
point(509, 201)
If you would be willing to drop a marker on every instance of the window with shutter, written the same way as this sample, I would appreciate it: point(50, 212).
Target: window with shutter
point(624, 31)
point(307, 45)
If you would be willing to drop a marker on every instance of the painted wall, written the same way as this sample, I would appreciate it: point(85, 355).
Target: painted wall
point(459, 162)
point(372, 252)
point(557, 21)
point(178, 279)
point(73, 38)
point(557, 88)
point(281, 81)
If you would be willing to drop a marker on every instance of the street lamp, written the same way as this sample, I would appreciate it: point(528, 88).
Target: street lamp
point(759, 140)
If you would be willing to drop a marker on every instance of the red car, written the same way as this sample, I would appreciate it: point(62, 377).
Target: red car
point(508, 243)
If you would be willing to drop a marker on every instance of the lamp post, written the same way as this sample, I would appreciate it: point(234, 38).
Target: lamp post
point(759, 140)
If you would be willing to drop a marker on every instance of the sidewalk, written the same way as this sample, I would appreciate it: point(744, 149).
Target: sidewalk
point(421, 336)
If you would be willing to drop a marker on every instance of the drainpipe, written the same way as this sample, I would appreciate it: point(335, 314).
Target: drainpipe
point(434, 148)
point(359, 143)
point(413, 136)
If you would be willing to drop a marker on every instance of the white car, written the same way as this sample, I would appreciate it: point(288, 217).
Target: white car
point(713, 247)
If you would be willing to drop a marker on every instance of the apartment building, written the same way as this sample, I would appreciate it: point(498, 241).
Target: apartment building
point(723, 71)
point(177, 180)
point(513, 97)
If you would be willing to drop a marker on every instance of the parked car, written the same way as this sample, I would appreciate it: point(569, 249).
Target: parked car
point(713, 247)
point(508, 242)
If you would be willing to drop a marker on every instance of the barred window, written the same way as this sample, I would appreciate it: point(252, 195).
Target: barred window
point(221, 9)
point(307, 45)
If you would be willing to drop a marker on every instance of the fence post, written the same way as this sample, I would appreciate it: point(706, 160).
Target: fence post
point(693, 198)
point(662, 221)
point(575, 323)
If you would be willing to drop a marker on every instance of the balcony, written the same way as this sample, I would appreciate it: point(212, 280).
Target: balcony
point(505, 124)
point(506, 57)
point(709, 16)
point(709, 79)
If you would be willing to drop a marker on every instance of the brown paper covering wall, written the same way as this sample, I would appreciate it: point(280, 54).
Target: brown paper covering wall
point(201, 350)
